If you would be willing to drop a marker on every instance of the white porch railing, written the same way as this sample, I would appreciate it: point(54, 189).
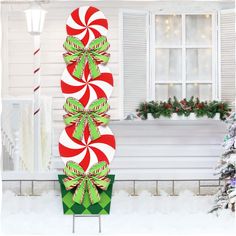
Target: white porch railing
point(17, 133)
point(10, 152)
point(11, 120)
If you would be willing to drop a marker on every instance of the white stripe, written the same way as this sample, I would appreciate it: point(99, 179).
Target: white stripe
point(107, 88)
point(68, 79)
point(93, 159)
point(82, 12)
point(76, 95)
point(96, 16)
point(100, 29)
point(66, 141)
point(70, 22)
point(106, 149)
point(81, 35)
point(92, 96)
point(91, 37)
point(77, 158)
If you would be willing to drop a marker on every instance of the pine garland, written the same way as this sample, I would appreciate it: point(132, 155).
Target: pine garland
point(184, 108)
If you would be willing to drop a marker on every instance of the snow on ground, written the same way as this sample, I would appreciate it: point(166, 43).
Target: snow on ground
point(145, 214)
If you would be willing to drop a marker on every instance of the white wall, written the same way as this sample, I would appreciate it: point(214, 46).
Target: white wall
point(18, 80)
point(164, 149)
point(17, 46)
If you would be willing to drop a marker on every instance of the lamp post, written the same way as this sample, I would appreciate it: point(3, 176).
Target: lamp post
point(35, 16)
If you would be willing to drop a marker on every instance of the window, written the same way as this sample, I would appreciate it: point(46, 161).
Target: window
point(184, 56)
point(179, 55)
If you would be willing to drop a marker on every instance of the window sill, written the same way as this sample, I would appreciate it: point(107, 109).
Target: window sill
point(169, 122)
point(192, 116)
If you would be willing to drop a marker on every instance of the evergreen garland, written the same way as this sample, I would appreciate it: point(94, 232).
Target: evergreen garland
point(184, 108)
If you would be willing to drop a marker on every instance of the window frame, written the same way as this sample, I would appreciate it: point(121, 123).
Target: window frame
point(214, 81)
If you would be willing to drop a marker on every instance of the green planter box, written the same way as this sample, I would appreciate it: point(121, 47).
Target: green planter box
point(100, 208)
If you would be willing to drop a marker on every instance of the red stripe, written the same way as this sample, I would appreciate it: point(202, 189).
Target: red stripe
point(96, 33)
point(69, 152)
point(86, 160)
point(72, 31)
point(106, 77)
point(99, 92)
point(85, 39)
point(85, 98)
point(35, 71)
point(36, 88)
point(100, 22)
point(86, 134)
point(89, 13)
point(76, 18)
point(68, 89)
point(36, 51)
point(107, 139)
point(100, 155)
point(36, 111)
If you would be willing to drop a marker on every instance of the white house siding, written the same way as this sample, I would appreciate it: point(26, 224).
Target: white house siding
point(164, 149)
point(141, 148)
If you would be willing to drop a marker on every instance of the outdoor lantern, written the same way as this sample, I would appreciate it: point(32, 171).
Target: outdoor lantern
point(35, 16)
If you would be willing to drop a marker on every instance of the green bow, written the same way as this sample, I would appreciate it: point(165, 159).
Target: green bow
point(93, 116)
point(94, 54)
point(95, 178)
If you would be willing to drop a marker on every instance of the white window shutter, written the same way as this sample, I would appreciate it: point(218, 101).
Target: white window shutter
point(227, 56)
point(135, 57)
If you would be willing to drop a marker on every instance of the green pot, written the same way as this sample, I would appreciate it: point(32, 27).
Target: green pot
point(86, 208)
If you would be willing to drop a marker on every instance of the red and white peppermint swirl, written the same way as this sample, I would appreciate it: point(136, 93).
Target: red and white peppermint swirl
point(87, 152)
point(87, 23)
point(87, 89)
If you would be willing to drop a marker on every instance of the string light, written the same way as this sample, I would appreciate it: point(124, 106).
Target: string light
point(168, 24)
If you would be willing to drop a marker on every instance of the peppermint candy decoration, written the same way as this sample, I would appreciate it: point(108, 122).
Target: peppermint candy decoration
point(87, 23)
point(87, 89)
point(87, 152)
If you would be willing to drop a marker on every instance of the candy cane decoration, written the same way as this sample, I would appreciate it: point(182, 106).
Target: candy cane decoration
point(36, 106)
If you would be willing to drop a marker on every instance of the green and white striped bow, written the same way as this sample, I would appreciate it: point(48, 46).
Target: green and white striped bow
point(95, 54)
point(93, 116)
point(95, 178)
